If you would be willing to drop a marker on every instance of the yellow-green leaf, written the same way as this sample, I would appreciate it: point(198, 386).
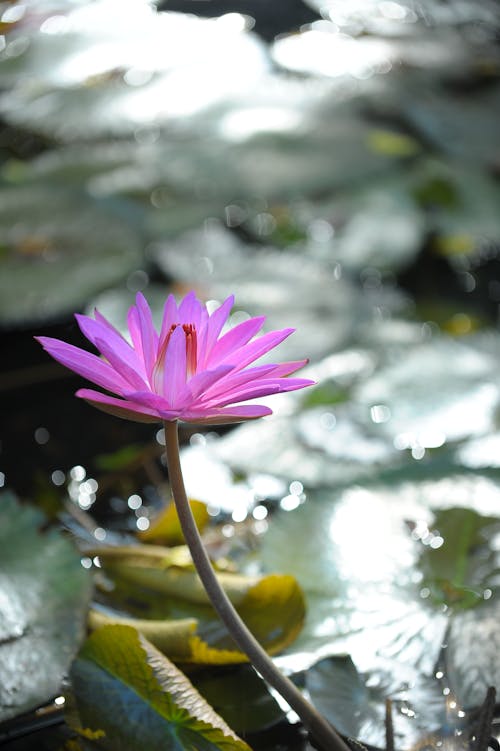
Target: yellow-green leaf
point(169, 571)
point(172, 637)
point(130, 696)
point(390, 143)
point(162, 591)
point(166, 528)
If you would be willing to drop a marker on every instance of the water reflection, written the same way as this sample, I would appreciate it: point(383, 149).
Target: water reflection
point(370, 595)
point(323, 50)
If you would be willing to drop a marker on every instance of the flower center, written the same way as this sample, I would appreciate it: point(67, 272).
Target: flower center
point(191, 348)
point(191, 353)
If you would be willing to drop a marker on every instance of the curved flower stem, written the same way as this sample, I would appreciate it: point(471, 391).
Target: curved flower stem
point(321, 731)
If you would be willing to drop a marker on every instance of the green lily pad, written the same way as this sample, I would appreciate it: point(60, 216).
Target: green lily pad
point(60, 247)
point(461, 203)
point(441, 391)
point(240, 696)
point(355, 702)
point(382, 229)
point(44, 594)
point(366, 589)
point(126, 694)
point(149, 68)
point(470, 662)
point(458, 563)
point(127, 170)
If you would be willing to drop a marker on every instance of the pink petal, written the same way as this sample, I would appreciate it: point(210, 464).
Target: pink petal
point(95, 330)
point(287, 368)
point(118, 407)
point(212, 329)
point(149, 337)
point(236, 379)
point(201, 382)
point(226, 416)
point(250, 352)
point(121, 366)
point(190, 310)
point(263, 388)
point(234, 339)
point(170, 316)
point(135, 331)
point(85, 364)
point(101, 319)
point(153, 402)
point(174, 377)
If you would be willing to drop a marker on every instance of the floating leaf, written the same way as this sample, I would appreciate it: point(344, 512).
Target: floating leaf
point(168, 571)
point(441, 391)
point(165, 528)
point(323, 447)
point(457, 562)
point(240, 696)
point(62, 247)
point(173, 638)
point(374, 229)
point(364, 587)
point(162, 584)
point(355, 702)
point(128, 695)
point(471, 659)
point(44, 593)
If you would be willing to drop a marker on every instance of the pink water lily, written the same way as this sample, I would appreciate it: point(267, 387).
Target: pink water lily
point(187, 371)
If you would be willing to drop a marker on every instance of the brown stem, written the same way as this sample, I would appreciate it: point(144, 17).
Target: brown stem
point(321, 730)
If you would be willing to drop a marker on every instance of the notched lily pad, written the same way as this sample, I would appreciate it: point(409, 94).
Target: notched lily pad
point(126, 694)
point(42, 616)
point(366, 590)
point(354, 701)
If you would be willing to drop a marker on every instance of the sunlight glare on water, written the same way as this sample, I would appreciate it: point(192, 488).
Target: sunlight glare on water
point(323, 50)
point(174, 64)
point(371, 540)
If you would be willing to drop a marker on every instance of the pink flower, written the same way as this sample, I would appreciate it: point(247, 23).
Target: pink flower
point(188, 371)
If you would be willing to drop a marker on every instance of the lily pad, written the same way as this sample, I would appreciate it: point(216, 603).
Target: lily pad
point(441, 391)
point(241, 697)
point(129, 170)
point(461, 203)
point(165, 527)
point(365, 584)
point(42, 617)
point(355, 702)
point(470, 662)
point(218, 261)
point(96, 70)
point(59, 248)
point(126, 694)
point(374, 228)
point(159, 585)
point(458, 563)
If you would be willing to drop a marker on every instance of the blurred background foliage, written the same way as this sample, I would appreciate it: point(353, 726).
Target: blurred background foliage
point(335, 164)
